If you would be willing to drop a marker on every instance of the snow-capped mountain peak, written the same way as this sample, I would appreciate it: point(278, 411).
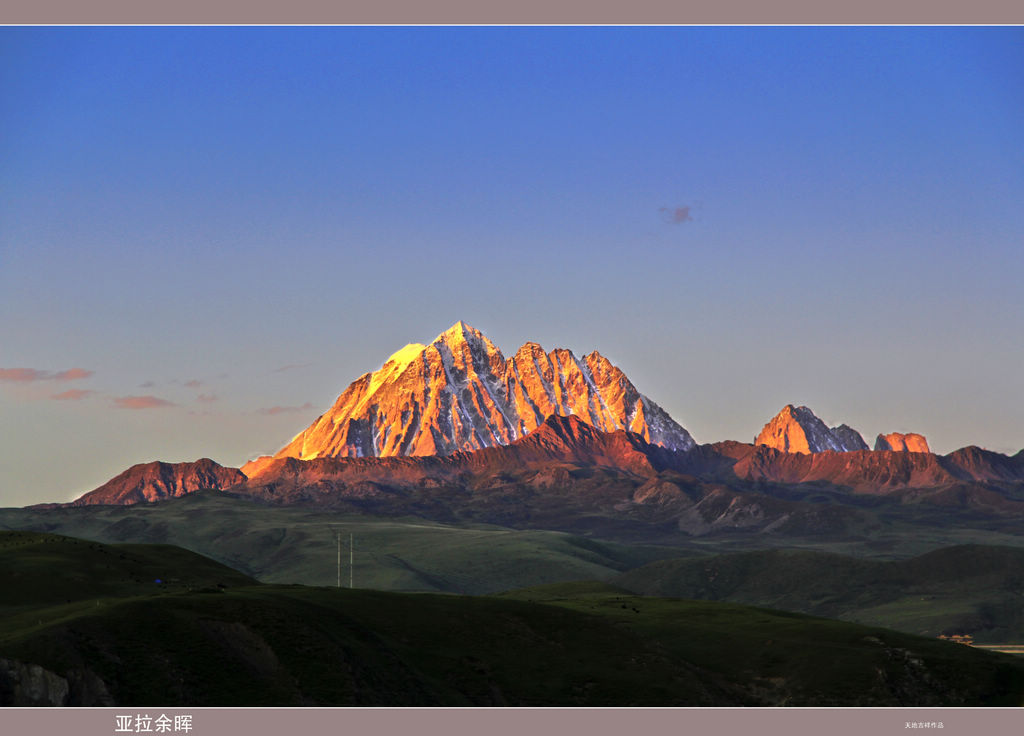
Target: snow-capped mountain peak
point(460, 393)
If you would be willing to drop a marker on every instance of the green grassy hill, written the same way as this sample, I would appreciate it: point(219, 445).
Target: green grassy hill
point(278, 544)
point(968, 589)
point(49, 569)
point(215, 638)
point(963, 589)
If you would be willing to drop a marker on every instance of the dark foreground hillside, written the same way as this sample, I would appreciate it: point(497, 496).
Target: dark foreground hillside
point(205, 635)
point(964, 589)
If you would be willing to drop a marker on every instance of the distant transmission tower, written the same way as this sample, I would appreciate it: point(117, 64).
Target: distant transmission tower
point(351, 557)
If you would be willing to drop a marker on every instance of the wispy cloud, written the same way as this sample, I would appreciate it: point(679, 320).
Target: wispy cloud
point(193, 383)
point(207, 398)
point(676, 215)
point(285, 409)
point(22, 374)
point(141, 402)
point(27, 375)
point(72, 374)
point(72, 394)
point(147, 384)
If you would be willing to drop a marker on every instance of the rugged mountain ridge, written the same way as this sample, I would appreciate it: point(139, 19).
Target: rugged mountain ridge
point(559, 440)
point(568, 476)
point(566, 456)
point(158, 480)
point(460, 393)
point(798, 429)
point(560, 443)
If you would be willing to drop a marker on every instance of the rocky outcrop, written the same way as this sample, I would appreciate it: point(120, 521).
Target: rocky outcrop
point(158, 480)
point(29, 685)
point(798, 430)
point(849, 438)
point(24, 684)
point(897, 442)
point(460, 394)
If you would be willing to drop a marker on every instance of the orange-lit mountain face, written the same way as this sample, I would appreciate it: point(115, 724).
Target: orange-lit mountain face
point(460, 393)
point(799, 430)
point(158, 480)
point(902, 442)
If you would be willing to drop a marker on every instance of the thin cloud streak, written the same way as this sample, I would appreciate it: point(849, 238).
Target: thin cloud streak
point(28, 375)
point(72, 374)
point(141, 402)
point(284, 409)
point(22, 375)
point(73, 394)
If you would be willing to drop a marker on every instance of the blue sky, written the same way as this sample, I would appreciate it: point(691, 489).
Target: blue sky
point(739, 218)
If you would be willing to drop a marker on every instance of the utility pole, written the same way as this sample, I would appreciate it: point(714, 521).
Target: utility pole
point(337, 538)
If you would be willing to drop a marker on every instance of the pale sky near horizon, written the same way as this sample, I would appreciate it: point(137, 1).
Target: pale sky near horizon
point(207, 233)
